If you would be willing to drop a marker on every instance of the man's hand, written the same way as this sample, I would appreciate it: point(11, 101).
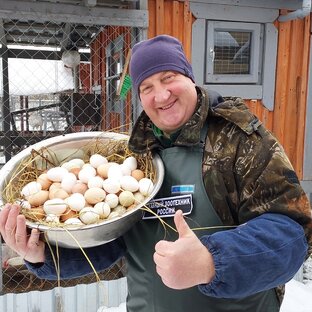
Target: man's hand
point(185, 262)
point(14, 233)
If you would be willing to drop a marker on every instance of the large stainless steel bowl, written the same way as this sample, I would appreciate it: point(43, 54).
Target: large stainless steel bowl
point(87, 235)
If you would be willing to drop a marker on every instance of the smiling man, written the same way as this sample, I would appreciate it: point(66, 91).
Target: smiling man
point(243, 222)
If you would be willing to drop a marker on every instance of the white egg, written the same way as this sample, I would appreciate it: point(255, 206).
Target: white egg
point(56, 174)
point(89, 215)
point(86, 173)
point(68, 181)
point(111, 185)
point(120, 210)
point(146, 186)
point(76, 201)
point(52, 218)
point(131, 162)
point(103, 209)
point(139, 197)
point(24, 204)
point(97, 160)
point(54, 206)
point(114, 171)
point(31, 188)
point(129, 183)
point(73, 221)
point(126, 198)
point(96, 181)
point(126, 171)
point(112, 200)
point(76, 162)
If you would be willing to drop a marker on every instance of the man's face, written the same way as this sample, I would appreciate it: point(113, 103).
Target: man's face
point(169, 99)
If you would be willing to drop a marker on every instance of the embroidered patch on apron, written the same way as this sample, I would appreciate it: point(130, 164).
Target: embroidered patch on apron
point(180, 189)
point(166, 207)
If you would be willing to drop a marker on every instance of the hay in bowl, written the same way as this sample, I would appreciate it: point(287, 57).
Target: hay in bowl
point(34, 160)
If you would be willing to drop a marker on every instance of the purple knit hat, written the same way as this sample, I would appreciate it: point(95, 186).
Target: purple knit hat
point(161, 53)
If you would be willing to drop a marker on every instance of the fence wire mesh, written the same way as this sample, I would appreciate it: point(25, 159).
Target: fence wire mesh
point(59, 78)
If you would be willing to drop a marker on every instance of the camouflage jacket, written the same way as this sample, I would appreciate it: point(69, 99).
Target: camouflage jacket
point(245, 170)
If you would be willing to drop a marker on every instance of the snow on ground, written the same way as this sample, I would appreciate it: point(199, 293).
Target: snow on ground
point(298, 295)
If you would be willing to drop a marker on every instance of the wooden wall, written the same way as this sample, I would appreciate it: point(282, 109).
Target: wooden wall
point(287, 121)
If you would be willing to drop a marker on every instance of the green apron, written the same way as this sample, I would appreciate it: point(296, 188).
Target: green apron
point(146, 292)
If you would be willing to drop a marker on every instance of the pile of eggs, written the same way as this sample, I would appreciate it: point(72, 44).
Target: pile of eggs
point(78, 193)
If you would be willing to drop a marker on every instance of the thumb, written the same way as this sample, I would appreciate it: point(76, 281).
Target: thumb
point(181, 225)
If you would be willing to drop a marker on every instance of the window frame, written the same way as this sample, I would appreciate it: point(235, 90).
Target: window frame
point(255, 52)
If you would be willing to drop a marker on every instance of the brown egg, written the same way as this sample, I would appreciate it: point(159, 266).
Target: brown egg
point(137, 174)
point(103, 169)
point(35, 214)
point(44, 181)
point(79, 187)
point(68, 214)
point(94, 195)
point(75, 171)
point(58, 193)
point(38, 199)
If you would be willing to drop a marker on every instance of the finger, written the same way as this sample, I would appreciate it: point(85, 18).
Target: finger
point(33, 241)
point(21, 232)
point(4, 213)
point(10, 225)
point(162, 247)
point(181, 225)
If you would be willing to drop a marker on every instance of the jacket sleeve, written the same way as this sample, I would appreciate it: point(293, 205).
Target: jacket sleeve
point(73, 263)
point(261, 254)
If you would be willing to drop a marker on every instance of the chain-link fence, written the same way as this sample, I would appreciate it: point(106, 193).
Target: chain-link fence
point(57, 78)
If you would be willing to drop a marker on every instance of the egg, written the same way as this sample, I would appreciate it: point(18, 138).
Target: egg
point(86, 173)
point(44, 181)
point(68, 181)
point(56, 174)
point(125, 170)
point(103, 169)
point(114, 172)
point(89, 215)
point(76, 162)
point(113, 215)
point(131, 162)
point(96, 181)
point(68, 214)
point(31, 188)
point(112, 200)
point(111, 185)
point(94, 195)
point(138, 197)
point(120, 210)
point(55, 185)
point(76, 201)
point(146, 186)
point(79, 187)
point(36, 214)
point(96, 160)
point(138, 174)
point(38, 199)
point(51, 218)
point(126, 198)
point(58, 193)
point(24, 204)
point(103, 209)
point(73, 221)
point(129, 183)
point(56, 206)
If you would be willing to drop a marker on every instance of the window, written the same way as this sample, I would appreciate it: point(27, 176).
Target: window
point(233, 52)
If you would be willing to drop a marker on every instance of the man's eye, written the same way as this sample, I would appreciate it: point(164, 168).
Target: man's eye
point(168, 78)
point(146, 90)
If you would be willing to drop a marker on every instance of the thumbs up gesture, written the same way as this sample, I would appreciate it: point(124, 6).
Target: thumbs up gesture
point(185, 262)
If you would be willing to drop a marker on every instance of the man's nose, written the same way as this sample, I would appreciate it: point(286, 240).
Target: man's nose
point(162, 94)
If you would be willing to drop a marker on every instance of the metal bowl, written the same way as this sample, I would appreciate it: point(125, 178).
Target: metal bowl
point(87, 235)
